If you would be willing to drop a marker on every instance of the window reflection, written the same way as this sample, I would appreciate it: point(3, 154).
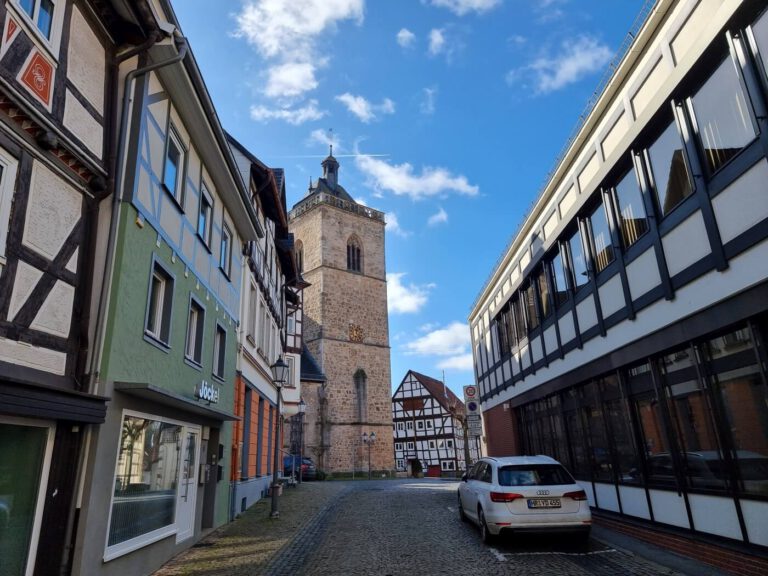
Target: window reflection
point(632, 220)
point(760, 34)
point(668, 168)
point(737, 383)
point(601, 236)
point(723, 116)
point(560, 288)
point(530, 307)
point(578, 264)
point(544, 302)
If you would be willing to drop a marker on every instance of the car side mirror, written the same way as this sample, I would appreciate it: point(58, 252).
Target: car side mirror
point(464, 477)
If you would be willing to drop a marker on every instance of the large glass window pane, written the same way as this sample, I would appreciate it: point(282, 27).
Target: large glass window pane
point(760, 33)
point(172, 162)
point(691, 415)
point(632, 220)
point(530, 307)
point(658, 458)
point(520, 328)
point(146, 478)
point(578, 264)
point(602, 467)
point(723, 116)
point(22, 454)
point(580, 466)
point(544, 301)
point(620, 430)
point(738, 384)
point(28, 6)
point(671, 182)
point(560, 288)
point(601, 236)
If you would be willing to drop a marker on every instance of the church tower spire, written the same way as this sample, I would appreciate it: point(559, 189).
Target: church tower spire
point(331, 170)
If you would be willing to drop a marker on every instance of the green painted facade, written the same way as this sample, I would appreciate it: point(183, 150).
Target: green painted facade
point(129, 356)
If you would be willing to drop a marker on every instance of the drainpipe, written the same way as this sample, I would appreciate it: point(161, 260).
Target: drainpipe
point(98, 349)
point(94, 365)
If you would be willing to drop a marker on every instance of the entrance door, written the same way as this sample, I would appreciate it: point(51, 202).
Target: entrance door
point(185, 504)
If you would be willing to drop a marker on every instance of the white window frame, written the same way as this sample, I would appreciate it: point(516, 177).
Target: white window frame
point(400, 426)
point(167, 282)
point(178, 192)
point(123, 548)
point(409, 425)
point(41, 490)
point(195, 328)
point(9, 167)
point(410, 446)
point(205, 197)
point(398, 445)
point(429, 423)
point(253, 307)
point(51, 45)
point(431, 444)
point(225, 250)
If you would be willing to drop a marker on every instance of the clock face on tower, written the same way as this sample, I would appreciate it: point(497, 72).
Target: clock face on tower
point(356, 333)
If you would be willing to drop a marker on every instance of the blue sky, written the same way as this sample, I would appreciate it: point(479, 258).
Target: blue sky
point(452, 113)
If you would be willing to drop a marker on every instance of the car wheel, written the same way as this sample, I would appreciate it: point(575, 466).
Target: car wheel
point(462, 516)
point(485, 534)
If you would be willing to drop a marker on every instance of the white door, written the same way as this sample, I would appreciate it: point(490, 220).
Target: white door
point(185, 502)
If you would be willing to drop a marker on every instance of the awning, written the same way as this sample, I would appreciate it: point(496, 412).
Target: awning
point(51, 403)
point(166, 397)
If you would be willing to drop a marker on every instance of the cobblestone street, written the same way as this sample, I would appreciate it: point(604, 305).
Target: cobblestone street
point(384, 528)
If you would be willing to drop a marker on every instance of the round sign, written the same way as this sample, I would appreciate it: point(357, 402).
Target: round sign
point(470, 391)
point(472, 406)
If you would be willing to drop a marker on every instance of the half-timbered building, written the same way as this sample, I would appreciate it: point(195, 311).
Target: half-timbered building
point(166, 310)
point(270, 328)
point(624, 330)
point(429, 432)
point(57, 100)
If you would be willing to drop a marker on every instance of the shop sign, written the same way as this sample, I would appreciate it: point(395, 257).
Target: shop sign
point(207, 391)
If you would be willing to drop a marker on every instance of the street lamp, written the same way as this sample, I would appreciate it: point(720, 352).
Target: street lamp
point(302, 410)
point(279, 376)
point(369, 440)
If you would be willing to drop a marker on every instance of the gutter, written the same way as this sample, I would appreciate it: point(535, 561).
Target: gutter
point(117, 198)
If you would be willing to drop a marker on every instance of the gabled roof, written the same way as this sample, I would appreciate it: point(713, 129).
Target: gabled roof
point(439, 391)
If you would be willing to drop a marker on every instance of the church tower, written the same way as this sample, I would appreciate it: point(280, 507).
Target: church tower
point(340, 248)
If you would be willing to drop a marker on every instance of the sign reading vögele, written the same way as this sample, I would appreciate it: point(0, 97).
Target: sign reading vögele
point(207, 391)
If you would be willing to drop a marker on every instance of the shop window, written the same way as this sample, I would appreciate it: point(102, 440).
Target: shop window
point(560, 288)
point(669, 169)
point(738, 385)
point(580, 464)
point(602, 462)
point(601, 238)
point(195, 328)
point(723, 116)
point(145, 487)
point(173, 171)
point(620, 430)
point(690, 412)
point(578, 263)
point(24, 449)
point(160, 304)
point(632, 220)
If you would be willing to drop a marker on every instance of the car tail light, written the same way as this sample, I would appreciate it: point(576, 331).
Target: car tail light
point(579, 495)
point(504, 496)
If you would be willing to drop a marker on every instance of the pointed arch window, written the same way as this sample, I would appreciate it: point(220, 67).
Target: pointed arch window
point(361, 394)
point(354, 255)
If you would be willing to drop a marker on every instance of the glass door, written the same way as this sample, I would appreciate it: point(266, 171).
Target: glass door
point(25, 451)
point(187, 494)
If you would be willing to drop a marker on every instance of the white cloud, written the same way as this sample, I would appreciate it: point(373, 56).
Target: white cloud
point(401, 180)
point(365, 110)
point(440, 217)
point(578, 57)
point(393, 225)
point(293, 116)
point(287, 33)
point(405, 37)
point(462, 362)
point(320, 136)
point(436, 41)
point(428, 100)
point(290, 79)
point(453, 340)
point(402, 299)
point(462, 7)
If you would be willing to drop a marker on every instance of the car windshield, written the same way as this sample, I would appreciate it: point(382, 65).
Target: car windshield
point(534, 475)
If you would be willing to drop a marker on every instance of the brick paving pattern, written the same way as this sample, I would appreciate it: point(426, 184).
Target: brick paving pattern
point(399, 527)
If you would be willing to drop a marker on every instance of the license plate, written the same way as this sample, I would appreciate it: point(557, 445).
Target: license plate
point(544, 503)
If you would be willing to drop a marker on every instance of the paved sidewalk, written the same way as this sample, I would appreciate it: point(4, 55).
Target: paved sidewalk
point(248, 545)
